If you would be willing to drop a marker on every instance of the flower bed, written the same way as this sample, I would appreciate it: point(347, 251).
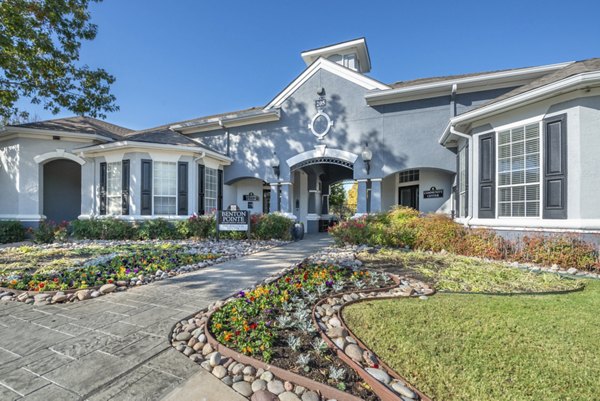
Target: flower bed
point(127, 265)
point(273, 323)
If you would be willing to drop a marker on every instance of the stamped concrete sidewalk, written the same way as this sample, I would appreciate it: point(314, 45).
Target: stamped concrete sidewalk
point(116, 347)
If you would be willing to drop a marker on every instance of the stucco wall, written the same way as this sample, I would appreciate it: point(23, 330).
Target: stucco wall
point(583, 164)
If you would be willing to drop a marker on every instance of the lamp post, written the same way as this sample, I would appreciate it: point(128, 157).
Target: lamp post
point(275, 166)
point(367, 155)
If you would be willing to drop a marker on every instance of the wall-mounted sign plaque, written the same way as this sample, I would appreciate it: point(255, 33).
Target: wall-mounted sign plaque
point(433, 193)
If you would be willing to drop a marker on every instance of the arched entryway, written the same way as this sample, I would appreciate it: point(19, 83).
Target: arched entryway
point(311, 182)
point(61, 187)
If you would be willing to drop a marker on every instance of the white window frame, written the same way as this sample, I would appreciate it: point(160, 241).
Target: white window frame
point(155, 195)
point(523, 123)
point(463, 181)
point(118, 194)
point(210, 209)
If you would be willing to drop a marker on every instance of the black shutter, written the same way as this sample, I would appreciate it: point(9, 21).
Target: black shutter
point(125, 173)
point(220, 190)
point(182, 188)
point(200, 189)
point(103, 188)
point(487, 176)
point(146, 201)
point(555, 167)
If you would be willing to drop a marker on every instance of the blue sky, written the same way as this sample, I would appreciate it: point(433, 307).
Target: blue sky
point(182, 59)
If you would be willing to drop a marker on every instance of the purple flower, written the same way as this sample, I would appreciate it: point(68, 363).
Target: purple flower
point(329, 283)
point(242, 294)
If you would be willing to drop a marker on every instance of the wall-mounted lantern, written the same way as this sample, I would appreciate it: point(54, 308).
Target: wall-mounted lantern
point(275, 164)
point(367, 155)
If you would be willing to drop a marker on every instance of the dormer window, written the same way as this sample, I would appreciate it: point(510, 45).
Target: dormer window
point(352, 54)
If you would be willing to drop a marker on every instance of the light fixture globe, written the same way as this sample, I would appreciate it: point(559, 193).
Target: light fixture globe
point(367, 155)
point(275, 161)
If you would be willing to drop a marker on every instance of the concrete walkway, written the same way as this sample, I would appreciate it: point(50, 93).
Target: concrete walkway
point(116, 347)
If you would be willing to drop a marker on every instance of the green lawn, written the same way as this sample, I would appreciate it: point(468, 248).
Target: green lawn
point(485, 347)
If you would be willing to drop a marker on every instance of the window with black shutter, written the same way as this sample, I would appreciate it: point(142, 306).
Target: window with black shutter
point(555, 167)
point(102, 188)
point(200, 189)
point(182, 188)
point(125, 173)
point(220, 190)
point(487, 176)
point(146, 190)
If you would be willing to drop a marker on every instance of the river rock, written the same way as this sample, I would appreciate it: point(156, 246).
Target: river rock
point(267, 376)
point(310, 396)
point(263, 395)
point(259, 385)
point(402, 389)
point(379, 375)
point(219, 371)
point(183, 336)
point(354, 352)
point(59, 297)
point(244, 388)
point(107, 288)
point(288, 396)
point(276, 387)
point(215, 359)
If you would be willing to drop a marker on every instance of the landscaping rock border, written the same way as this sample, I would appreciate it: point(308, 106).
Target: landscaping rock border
point(260, 381)
point(228, 249)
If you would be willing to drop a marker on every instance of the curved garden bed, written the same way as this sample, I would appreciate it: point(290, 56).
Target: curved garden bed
point(278, 328)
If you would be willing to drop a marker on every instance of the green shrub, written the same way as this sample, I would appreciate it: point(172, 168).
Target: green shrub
point(563, 250)
point(436, 232)
point(157, 229)
point(271, 226)
point(11, 231)
point(44, 234)
point(353, 231)
point(105, 229)
point(197, 226)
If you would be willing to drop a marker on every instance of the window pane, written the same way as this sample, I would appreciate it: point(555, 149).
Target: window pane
point(165, 188)
point(210, 189)
point(518, 165)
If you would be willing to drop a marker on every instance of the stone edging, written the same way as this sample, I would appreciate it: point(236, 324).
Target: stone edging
point(386, 391)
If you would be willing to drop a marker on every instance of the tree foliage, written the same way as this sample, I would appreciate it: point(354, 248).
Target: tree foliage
point(337, 197)
point(39, 59)
point(352, 200)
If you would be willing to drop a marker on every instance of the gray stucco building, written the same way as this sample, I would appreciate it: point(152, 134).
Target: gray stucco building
point(317, 131)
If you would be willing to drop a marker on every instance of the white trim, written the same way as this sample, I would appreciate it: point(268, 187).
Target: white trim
point(320, 152)
point(516, 77)
point(132, 217)
point(376, 179)
point(23, 217)
point(148, 145)
point(7, 131)
point(344, 48)
point(537, 94)
point(226, 121)
point(528, 224)
point(330, 66)
point(58, 154)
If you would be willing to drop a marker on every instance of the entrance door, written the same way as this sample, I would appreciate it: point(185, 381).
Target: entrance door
point(62, 190)
point(409, 196)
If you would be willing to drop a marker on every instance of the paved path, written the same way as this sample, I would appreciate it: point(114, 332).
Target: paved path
point(116, 347)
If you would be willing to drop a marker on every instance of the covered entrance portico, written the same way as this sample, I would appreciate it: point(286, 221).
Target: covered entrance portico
point(306, 194)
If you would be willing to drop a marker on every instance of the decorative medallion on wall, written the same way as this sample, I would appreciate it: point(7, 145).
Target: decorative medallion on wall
point(321, 123)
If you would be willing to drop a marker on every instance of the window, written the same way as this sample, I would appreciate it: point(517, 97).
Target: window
point(165, 188)
point(210, 189)
point(462, 183)
point(113, 188)
point(519, 172)
point(408, 176)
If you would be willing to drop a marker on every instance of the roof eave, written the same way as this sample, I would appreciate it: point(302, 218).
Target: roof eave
point(149, 145)
point(468, 84)
point(10, 129)
point(227, 122)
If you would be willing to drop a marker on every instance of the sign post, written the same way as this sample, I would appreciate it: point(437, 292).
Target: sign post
point(233, 219)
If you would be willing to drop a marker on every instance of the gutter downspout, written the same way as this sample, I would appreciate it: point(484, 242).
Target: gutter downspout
point(227, 141)
point(469, 139)
point(453, 100)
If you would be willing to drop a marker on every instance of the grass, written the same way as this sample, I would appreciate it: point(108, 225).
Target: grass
point(466, 274)
point(485, 347)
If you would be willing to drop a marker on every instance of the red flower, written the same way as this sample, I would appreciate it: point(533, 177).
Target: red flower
point(253, 326)
point(110, 281)
point(42, 285)
point(288, 279)
point(55, 279)
point(237, 332)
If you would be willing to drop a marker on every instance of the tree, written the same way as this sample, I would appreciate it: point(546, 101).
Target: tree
point(337, 197)
point(39, 54)
point(352, 201)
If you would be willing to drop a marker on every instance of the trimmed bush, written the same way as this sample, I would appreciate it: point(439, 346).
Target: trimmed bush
point(403, 227)
point(11, 231)
point(105, 229)
point(271, 226)
point(157, 229)
point(197, 226)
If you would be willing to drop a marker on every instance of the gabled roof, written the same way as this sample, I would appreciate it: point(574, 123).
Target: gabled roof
point(324, 64)
point(80, 125)
point(357, 46)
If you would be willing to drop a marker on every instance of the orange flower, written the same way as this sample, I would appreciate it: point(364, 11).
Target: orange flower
point(218, 326)
point(227, 336)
